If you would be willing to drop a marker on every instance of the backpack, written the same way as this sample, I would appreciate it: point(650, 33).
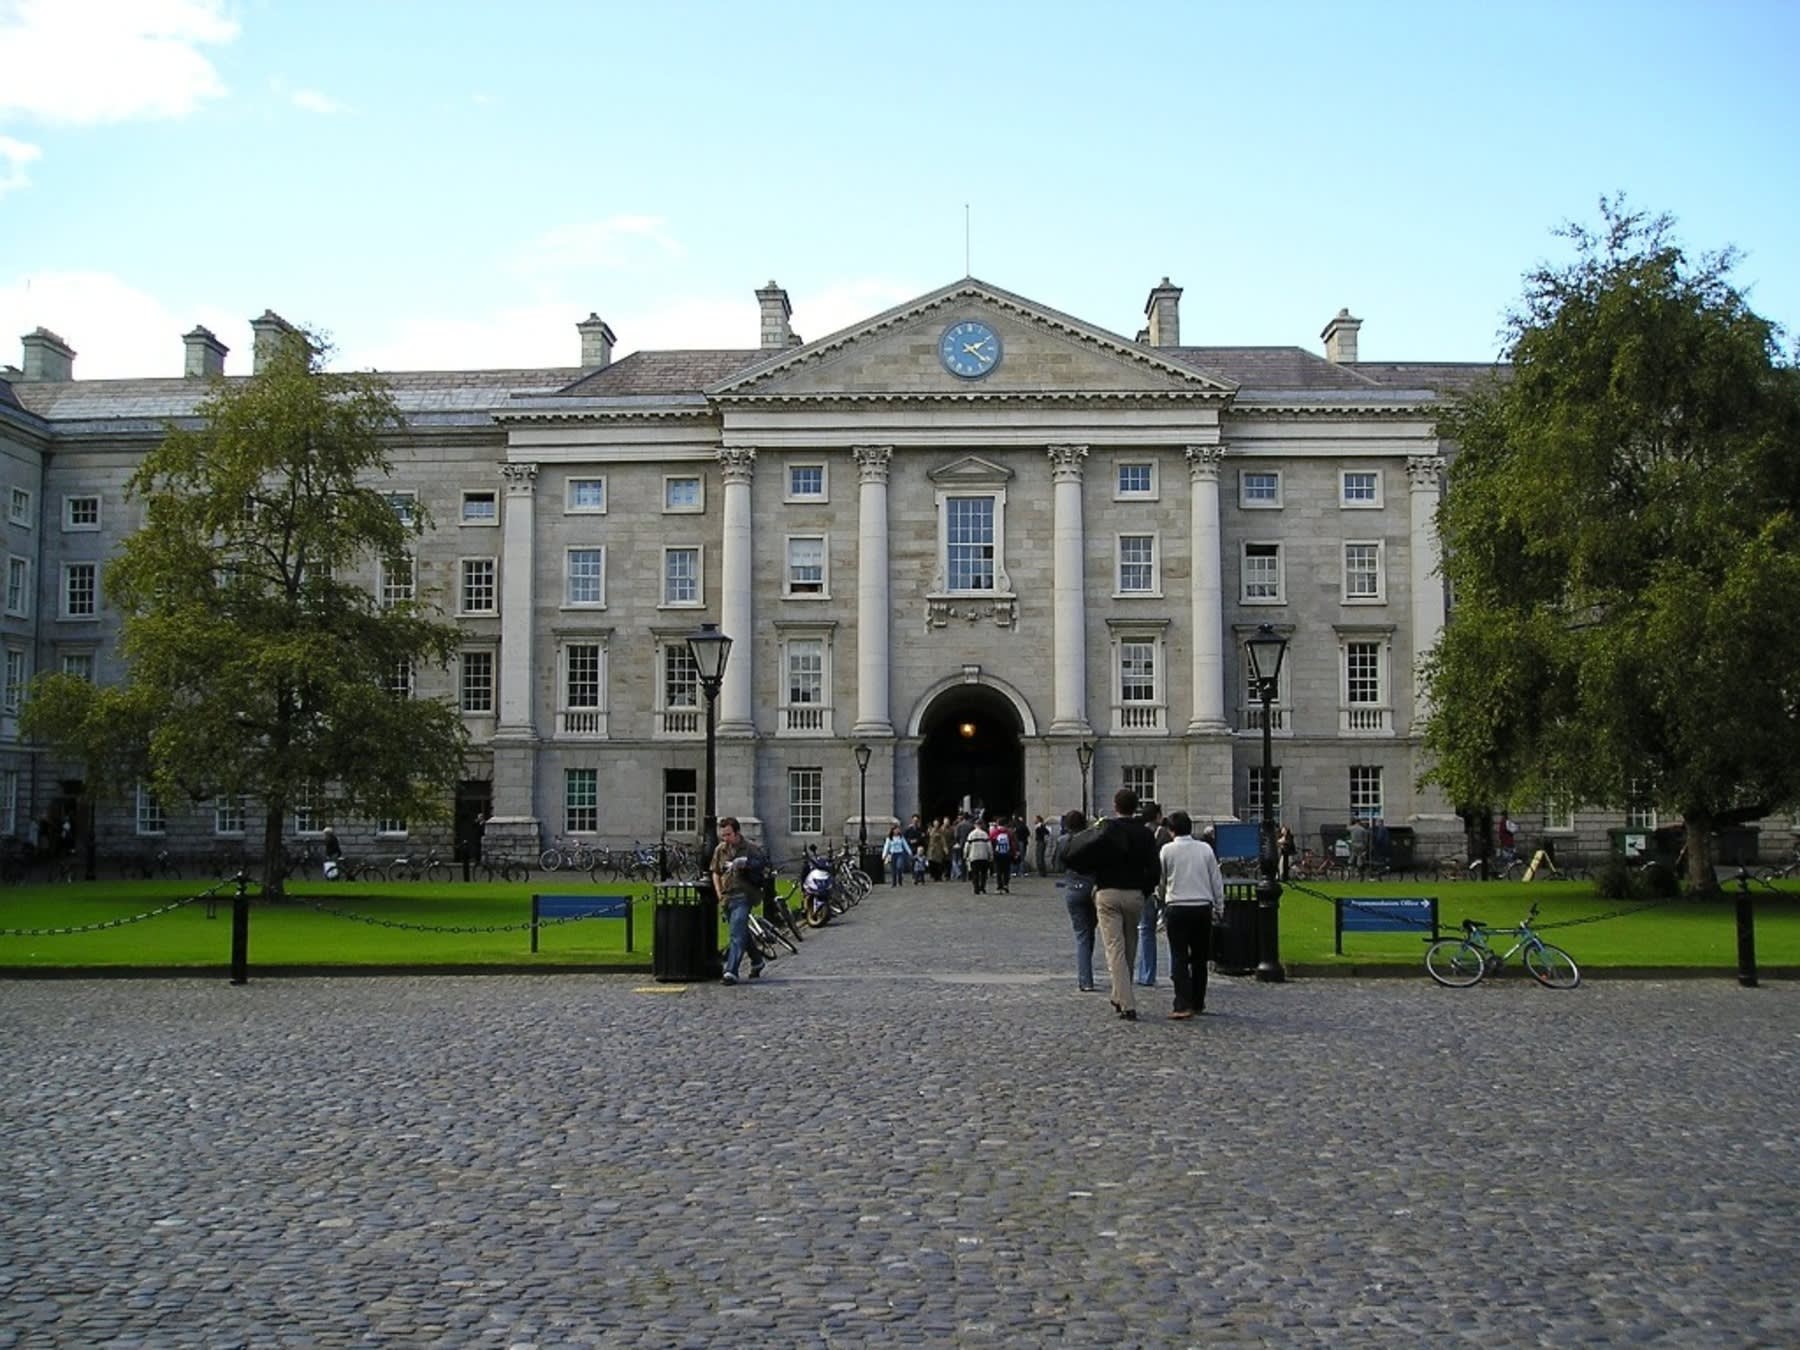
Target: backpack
point(756, 871)
point(1003, 843)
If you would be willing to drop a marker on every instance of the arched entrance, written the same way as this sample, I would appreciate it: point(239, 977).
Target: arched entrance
point(970, 751)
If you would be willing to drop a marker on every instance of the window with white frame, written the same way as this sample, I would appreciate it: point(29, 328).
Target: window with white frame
point(79, 664)
point(1141, 779)
point(9, 802)
point(1559, 817)
point(1135, 480)
point(1278, 707)
point(581, 801)
point(971, 536)
point(1263, 580)
point(806, 483)
point(81, 590)
point(683, 494)
point(400, 679)
point(393, 827)
point(970, 542)
point(806, 565)
point(1259, 489)
point(405, 504)
point(150, 817)
point(228, 815)
point(1365, 708)
point(81, 512)
point(1640, 809)
point(477, 683)
point(806, 801)
point(1253, 796)
point(585, 496)
point(681, 576)
point(15, 679)
point(681, 802)
point(1137, 570)
point(18, 507)
point(1140, 695)
point(584, 572)
point(479, 592)
point(306, 815)
point(583, 710)
point(396, 581)
point(1364, 573)
point(481, 506)
point(18, 586)
point(1359, 488)
point(1365, 792)
point(805, 686)
point(678, 710)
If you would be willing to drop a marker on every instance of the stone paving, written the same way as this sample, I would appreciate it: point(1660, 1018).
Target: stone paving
point(916, 1132)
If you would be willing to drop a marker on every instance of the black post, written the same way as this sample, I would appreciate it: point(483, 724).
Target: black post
point(862, 812)
point(1746, 933)
point(240, 932)
point(1268, 890)
point(1084, 755)
point(710, 824)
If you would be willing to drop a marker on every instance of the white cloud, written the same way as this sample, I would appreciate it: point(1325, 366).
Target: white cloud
point(14, 156)
point(117, 330)
point(85, 62)
point(594, 243)
point(314, 101)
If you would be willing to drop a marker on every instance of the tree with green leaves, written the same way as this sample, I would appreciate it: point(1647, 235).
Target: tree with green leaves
point(256, 667)
point(1621, 533)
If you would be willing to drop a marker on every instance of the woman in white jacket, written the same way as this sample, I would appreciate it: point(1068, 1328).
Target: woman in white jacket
point(1191, 885)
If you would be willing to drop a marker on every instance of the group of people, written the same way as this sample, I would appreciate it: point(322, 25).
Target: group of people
point(973, 847)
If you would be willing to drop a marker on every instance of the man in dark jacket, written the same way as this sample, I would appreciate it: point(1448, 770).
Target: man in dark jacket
point(1124, 872)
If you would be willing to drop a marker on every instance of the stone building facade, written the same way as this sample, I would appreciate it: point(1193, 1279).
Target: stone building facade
point(971, 533)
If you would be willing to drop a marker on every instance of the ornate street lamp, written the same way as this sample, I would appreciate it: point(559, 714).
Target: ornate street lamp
point(1267, 648)
point(1084, 755)
point(710, 650)
point(862, 753)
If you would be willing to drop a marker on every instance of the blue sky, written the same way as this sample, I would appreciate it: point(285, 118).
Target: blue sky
point(444, 185)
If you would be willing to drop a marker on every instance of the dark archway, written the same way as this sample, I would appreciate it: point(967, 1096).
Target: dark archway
point(970, 749)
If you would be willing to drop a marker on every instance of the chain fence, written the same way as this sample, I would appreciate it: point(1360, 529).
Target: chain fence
point(101, 925)
point(379, 922)
point(1350, 903)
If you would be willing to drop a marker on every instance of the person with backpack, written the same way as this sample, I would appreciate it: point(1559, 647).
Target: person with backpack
point(1003, 855)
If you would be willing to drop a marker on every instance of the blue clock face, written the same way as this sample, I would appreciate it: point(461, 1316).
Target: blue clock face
point(969, 349)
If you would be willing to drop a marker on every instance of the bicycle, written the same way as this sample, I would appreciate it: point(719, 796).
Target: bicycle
point(414, 867)
point(1461, 962)
point(567, 853)
point(1504, 865)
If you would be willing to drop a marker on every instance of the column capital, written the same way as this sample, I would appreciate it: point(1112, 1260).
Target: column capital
point(738, 463)
point(1424, 472)
point(521, 479)
point(872, 462)
point(1066, 462)
point(1204, 462)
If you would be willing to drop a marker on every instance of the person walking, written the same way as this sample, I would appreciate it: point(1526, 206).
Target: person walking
point(1001, 836)
point(1192, 887)
point(1078, 895)
point(1121, 857)
point(1040, 840)
point(897, 855)
point(1151, 814)
point(731, 883)
point(937, 846)
point(1284, 850)
point(978, 855)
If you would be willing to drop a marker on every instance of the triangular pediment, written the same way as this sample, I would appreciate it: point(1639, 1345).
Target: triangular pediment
point(969, 471)
point(1044, 355)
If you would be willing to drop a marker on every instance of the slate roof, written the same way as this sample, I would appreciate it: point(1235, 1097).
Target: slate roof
point(666, 372)
point(1447, 377)
point(1272, 368)
point(7, 398)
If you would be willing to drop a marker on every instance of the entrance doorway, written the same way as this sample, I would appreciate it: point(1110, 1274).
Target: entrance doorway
point(474, 804)
point(971, 754)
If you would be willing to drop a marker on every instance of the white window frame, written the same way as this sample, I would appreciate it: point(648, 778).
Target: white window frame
point(16, 676)
point(472, 496)
point(1248, 503)
point(306, 814)
point(1280, 707)
point(699, 578)
point(69, 523)
point(680, 720)
point(788, 588)
point(588, 822)
point(806, 800)
point(1280, 596)
point(680, 806)
point(405, 504)
point(18, 586)
point(9, 802)
point(465, 573)
point(391, 828)
point(1379, 595)
point(588, 721)
point(1138, 716)
point(390, 588)
point(151, 819)
point(572, 508)
point(791, 496)
point(799, 717)
point(1372, 503)
point(569, 600)
point(1370, 807)
point(18, 507)
point(1148, 493)
point(92, 571)
point(696, 507)
point(1253, 802)
point(1002, 585)
point(1366, 717)
point(474, 656)
point(1559, 817)
point(72, 663)
point(1141, 779)
point(402, 679)
point(227, 808)
point(1152, 591)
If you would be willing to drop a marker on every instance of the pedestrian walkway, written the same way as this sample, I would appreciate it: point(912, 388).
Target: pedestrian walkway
point(914, 1132)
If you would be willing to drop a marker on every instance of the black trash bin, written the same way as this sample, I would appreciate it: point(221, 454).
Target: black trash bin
point(1403, 848)
point(1234, 935)
point(686, 932)
point(873, 863)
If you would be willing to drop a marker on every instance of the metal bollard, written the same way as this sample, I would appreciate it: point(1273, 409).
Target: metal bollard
point(240, 932)
point(1746, 933)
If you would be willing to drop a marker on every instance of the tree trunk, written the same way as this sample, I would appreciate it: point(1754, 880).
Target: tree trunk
point(1701, 878)
point(274, 865)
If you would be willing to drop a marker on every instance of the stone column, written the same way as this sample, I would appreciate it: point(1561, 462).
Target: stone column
point(874, 611)
point(515, 824)
point(1424, 476)
point(1068, 587)
point(737, 619)
point(1208, 601)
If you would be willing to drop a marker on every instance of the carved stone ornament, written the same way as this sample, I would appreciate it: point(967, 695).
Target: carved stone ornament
point(520, 479)
point(737, 464)
point(1424, 471)
point(872, 462)
point(941, 610)
point(1204, 461)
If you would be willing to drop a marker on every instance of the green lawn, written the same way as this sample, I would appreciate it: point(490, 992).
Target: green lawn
point(1678, 933)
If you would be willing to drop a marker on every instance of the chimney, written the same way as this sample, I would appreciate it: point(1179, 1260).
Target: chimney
point(596, 342)
point(205, 355)
point(775, 312)
point(268, 332)
point(1164, 310)
point(1340, 339)
point(47, 357)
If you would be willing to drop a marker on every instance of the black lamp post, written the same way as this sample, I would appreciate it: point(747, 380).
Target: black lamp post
point(1084, 755)
point(862, 753)
point(710, 649)
point(1266, 651)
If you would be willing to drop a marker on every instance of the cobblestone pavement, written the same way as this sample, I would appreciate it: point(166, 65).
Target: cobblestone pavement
point(915, 1132)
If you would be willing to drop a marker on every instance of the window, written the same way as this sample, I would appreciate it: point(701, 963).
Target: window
point(1141, 779)
point(969, 543)
point(1640, 810)
point(806, 801)
point(18, 507)
point(805, 708)
point(306, 816)
point(1365, 792)
point(400, 679)
point(1253, 798)
point(18, 586)
point(406, 506)
point(1559, 817)
point(1137, 565)
point(682, 494)
point(1253, 709)
point(1138, 703)
point(586, 496)
point(396, 582)
point(1264, 582)
point(1365, 703)
point(478, 682)
point(581, 801)
point(1259, 489)
point(15, 679)
point(1360, 488)
point(583, 710)
point(79, 664)
point(1364, 576)
point(806, 483)
point(391, 828)
point(1135, 480)
point(150, 817)
point(585, 569)
point(678, 691)
point(81, 513)
point(228, 815)
point(806, 565)
point(477, 593)
point(681, 576)
point(81, 591)
point(481, 507)
point(9, 802)
point(681, 802)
